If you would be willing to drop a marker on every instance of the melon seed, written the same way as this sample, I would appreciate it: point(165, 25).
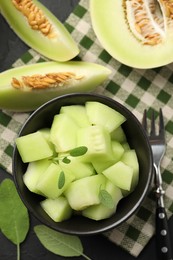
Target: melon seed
point(48, 80)
point(148, 20)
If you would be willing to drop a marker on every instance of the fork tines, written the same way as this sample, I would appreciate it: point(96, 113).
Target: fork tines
point(153, 127)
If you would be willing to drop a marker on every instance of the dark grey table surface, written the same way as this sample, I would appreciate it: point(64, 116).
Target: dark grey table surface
point(96, 247)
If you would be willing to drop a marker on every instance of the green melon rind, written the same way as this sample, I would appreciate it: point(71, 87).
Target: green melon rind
point(17, 100)
point(112, 31)
point(61, 48)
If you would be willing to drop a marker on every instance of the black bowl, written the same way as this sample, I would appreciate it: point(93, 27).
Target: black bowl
point(137, 139)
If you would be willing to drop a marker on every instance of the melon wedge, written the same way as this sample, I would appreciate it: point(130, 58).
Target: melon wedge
point(17, 94)
point(57, 45)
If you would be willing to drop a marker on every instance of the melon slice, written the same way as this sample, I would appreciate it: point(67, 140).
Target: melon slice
point(100, 211)
point(77, 113)
point(34, 171)
point(18, 94)
point(120, 174)
point(63, 133)
point(85, 192)
point(46, 133)
point(136, 33)
point(42, 31)
point(97, 140)
point(130, 158)
point(101, 114)
point(101, 165)
point(78, 168)
point(48, 182)
point(118, 135)
point(33, 147)
point(57, 209)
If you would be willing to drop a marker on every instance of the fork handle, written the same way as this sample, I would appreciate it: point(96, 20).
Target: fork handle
point(162, 235)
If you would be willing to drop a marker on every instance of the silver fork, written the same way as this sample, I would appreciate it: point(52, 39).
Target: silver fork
point(158, 146)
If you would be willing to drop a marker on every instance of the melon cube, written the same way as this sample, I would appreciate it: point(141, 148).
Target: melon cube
point(46, 134)
point(97, 140)
point(120, 174)
point(57, 209)
point(77, 167)
point(48, 182)
point(33, 147)
point(130, 159)
point(101, 114)
point(101, 165)
point(85, 192)
point(63, 133)
point(33, 173)
point(100, 211)
point(77, 113)
point(118, 135)
point(126, 146)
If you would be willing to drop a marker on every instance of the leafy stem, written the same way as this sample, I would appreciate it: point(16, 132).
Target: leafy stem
point(18, 251)
point(78, 151)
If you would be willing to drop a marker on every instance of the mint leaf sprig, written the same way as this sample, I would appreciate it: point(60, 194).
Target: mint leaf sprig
point(76, 152)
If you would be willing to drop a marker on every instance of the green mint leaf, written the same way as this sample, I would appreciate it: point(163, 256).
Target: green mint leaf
point(14, 219)
point(78, 151)
point(66, 160)
point(61, 180)
point(106, 199)
point(58, 243)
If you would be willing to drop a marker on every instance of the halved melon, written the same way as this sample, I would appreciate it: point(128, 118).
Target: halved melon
point(137, 33)
point(39, 29)
point(27, 87)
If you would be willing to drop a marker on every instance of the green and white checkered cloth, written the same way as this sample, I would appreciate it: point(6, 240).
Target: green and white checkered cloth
point(136, 89)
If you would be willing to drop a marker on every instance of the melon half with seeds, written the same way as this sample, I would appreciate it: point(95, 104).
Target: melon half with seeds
point(138, 33)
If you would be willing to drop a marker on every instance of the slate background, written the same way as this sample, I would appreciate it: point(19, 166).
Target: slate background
point(96, 247)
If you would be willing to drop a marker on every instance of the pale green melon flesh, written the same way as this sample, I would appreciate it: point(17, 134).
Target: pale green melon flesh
point(101, 165)
point(48, 182)
point(63, 133)
point(28, 100)
point(46, 133)
point(85, 192)
point(78, 168)
point(101, 114)
point(118, 135)
point(120, 174)
point(112, 30)
point(97, 140)
point(57, 209)
point(33, 173)
point(100, 211)
point(130, 158)
point(60, 48)
point(33, 147)
point(77, 113)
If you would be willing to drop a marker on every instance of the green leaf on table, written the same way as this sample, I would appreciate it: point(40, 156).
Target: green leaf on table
point(14, 219)
point(58, 243)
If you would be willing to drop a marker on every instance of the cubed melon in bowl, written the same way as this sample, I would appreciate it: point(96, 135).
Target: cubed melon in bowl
point(135, 138)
